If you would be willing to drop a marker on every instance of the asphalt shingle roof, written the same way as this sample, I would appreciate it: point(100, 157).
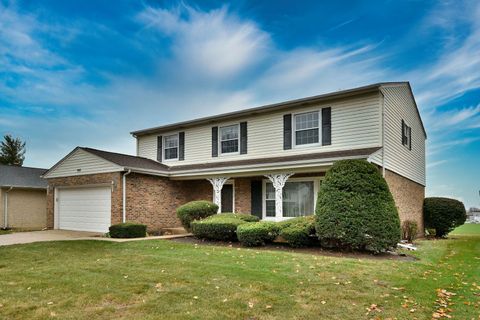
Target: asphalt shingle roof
point(13, 176)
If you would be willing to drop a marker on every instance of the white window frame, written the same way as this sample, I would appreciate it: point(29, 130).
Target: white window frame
point(220, 139)
point(409, 137)
point(316, 187)
point(164, 146)
point(294, 130)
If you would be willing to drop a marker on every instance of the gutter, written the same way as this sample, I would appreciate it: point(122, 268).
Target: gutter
point(5, 209)
point(383, 133)
point(124, 195)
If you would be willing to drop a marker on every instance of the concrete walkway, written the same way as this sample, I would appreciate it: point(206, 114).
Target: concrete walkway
point(60, 235)
point(46, 235)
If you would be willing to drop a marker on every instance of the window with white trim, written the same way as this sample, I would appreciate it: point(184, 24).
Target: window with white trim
point(406, 135)
point(170, 147)
point(229, 139)
point(298, 199)
point(307, 129)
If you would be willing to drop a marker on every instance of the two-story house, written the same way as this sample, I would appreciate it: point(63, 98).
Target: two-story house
point(268, 161)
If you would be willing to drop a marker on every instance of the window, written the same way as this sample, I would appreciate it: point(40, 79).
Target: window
point(307, 128)
point(406, 135)
point(171, 147)
point(229, 139)
point(298, 199)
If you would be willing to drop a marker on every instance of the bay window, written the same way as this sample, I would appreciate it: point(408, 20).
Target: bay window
point(298, 198)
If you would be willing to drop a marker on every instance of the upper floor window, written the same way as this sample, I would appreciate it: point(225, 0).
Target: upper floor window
point(229, 139)
point(171, 147)
point(406, 135)
point(307, 128)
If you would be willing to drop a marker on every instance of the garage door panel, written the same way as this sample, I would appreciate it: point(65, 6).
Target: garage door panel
point(84, 209)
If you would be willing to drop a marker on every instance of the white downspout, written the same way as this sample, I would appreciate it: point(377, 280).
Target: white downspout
point(124, 195)
point(383, 134)
point(5, 208)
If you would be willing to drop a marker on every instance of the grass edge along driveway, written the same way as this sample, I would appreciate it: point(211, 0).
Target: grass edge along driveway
point(163, 279)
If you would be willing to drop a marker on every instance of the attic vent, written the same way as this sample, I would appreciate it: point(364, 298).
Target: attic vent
point(78, 170)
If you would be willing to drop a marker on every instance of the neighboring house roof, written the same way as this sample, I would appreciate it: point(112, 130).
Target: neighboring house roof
point(25, 177)
point(277, 106)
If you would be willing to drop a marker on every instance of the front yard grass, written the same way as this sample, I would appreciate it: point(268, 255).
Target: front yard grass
point(159, 279)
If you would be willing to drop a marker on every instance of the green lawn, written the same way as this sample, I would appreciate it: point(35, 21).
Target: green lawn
point(467, 229)
point(158, 279)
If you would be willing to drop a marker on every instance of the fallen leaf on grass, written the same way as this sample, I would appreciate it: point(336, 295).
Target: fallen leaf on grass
point(250, 304)
point(323, 302)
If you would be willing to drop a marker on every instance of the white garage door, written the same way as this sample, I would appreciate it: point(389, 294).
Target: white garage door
point(84, 209)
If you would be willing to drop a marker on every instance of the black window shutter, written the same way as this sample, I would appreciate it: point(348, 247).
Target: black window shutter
point(256, 196)
point(214, 141)
point(181, 146)
point(159, 148)
point(243, 137)
point(403, 132)
point(326, 126)
point(409, 138)
point(287, 131)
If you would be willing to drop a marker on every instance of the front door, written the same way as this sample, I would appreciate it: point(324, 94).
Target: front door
point(227, 198)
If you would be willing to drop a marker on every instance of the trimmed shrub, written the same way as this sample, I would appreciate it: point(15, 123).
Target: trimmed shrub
point(254, 234)
point(242, 216)
point(195, 210)
point(355, 209)
point(443, 214)
point(409, 230)
point(298, 232)
point(128, 230)
point(216, 228)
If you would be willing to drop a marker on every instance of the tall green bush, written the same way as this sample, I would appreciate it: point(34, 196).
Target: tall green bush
point(195, 210)
point(443, 214)
point(355, 209)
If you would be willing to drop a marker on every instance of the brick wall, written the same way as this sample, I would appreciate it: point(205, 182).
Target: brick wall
point(113, 179)
point(243, 195)
point(409, 197)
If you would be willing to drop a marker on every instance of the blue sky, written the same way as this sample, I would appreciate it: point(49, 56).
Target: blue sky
point(89, 72)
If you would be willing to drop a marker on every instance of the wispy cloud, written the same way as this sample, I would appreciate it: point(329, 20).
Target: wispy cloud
point(338, 26)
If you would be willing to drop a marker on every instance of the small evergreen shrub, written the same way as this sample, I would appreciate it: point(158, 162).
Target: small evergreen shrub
point(216, 228)
point(128, 230)
point(254, 234)
point(298, 232)
point(409, 230)
point(355, 209)
point(443, 214)
point(242, 216)
point(195, 210)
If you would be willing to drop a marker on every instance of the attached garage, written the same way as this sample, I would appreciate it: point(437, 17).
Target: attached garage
point(87, 190)
point(84, 209)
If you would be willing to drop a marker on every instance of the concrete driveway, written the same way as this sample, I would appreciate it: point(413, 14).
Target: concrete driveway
point(47, 235)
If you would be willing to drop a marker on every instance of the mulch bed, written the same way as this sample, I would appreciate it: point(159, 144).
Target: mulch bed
point(308, 250)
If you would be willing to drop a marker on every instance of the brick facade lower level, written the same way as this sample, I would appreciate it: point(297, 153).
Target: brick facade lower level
point(408, 196)
point(152, 200)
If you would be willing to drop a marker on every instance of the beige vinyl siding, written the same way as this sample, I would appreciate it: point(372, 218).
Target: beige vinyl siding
point(355, 124)
point(85, 161)
point(399, 104)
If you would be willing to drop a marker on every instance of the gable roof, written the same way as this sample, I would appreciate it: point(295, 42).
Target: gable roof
point(276, 106)
point(127, 161)
point(14, 176)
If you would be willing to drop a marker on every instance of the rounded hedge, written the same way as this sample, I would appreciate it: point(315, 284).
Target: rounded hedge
point(128, 230)
point(355, 209)
point(195, 210)
point(216, 228)
point(254, 234)
point(242, 216)
point(298, 232)
point(443, 214)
